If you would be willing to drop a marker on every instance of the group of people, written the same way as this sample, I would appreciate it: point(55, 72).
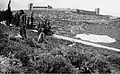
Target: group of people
point(23, 21)
point(26, 22)
point(28, 19)
point(44, 28)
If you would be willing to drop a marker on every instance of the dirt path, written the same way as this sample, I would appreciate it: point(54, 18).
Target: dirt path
point(85, 42)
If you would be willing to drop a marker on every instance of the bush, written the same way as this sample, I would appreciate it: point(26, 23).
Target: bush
point(79, 60)
point(23, 57)
point(114, 60)
point(53, 64)
point(30, 42)
point(102, 66)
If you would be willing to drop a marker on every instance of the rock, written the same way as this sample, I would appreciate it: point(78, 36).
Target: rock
point(72, 44)
point(18, 36)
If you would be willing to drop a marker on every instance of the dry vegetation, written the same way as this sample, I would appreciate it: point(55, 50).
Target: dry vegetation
point(53, 55)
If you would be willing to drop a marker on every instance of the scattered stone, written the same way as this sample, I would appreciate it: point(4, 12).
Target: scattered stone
point(18, 36)
point(72, 44)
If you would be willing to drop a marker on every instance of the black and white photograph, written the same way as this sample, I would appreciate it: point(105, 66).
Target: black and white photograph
point(59, 37)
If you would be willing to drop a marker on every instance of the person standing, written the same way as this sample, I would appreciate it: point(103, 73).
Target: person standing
point(22, 24)
point(28, 22)
point(47, 30)
point(31, 18)
point(17, 19)
point(9, 12)
point(41, 35)
point(40, 32)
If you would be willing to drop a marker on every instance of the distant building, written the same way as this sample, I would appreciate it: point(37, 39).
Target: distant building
point(85, 12)
point(31, 7)
point(97, 11)
point(113, 17)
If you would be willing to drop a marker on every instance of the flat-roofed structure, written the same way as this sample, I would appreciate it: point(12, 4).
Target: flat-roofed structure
point(32, 7)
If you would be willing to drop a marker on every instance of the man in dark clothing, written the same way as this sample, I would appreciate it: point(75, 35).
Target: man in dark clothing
point(9, 20)
point(31, 18)
point(22, 24)
point(39, 27)
point(17, 19)
point(6, 15)
point(28, 22)
point(40, 32)
point(47, 30)
point(41, 35)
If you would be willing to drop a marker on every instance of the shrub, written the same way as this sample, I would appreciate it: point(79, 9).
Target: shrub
point(114, 60)
point(30, 42)
point(79, 60)
point(53, 64)
point(23, 57)
point(102, 66)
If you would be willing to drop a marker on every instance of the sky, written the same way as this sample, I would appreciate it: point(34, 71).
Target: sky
point(107, 7)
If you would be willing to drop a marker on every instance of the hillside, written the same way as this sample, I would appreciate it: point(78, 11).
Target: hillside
point(67, 15)
point(56, 55)
point(68, 23)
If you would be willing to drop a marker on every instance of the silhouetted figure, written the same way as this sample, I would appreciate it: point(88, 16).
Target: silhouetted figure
point(28, 22)
point(22, 24)
point(6, 15)
point(31, 18)
point(17, 19)
point(47, 27)
point(41, 34)
point(9, 20)
point(39, 27)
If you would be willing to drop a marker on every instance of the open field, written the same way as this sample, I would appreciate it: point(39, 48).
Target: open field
point(57, 55)
point(110, 29)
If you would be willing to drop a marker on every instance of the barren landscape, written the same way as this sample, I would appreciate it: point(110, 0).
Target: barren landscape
point(58, 55)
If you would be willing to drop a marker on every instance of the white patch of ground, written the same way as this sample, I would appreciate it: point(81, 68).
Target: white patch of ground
point(96, 38)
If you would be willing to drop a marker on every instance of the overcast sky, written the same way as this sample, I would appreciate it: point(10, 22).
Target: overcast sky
point(107, 7)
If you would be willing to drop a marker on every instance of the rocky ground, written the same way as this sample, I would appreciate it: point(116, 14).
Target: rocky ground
point(55, 55)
